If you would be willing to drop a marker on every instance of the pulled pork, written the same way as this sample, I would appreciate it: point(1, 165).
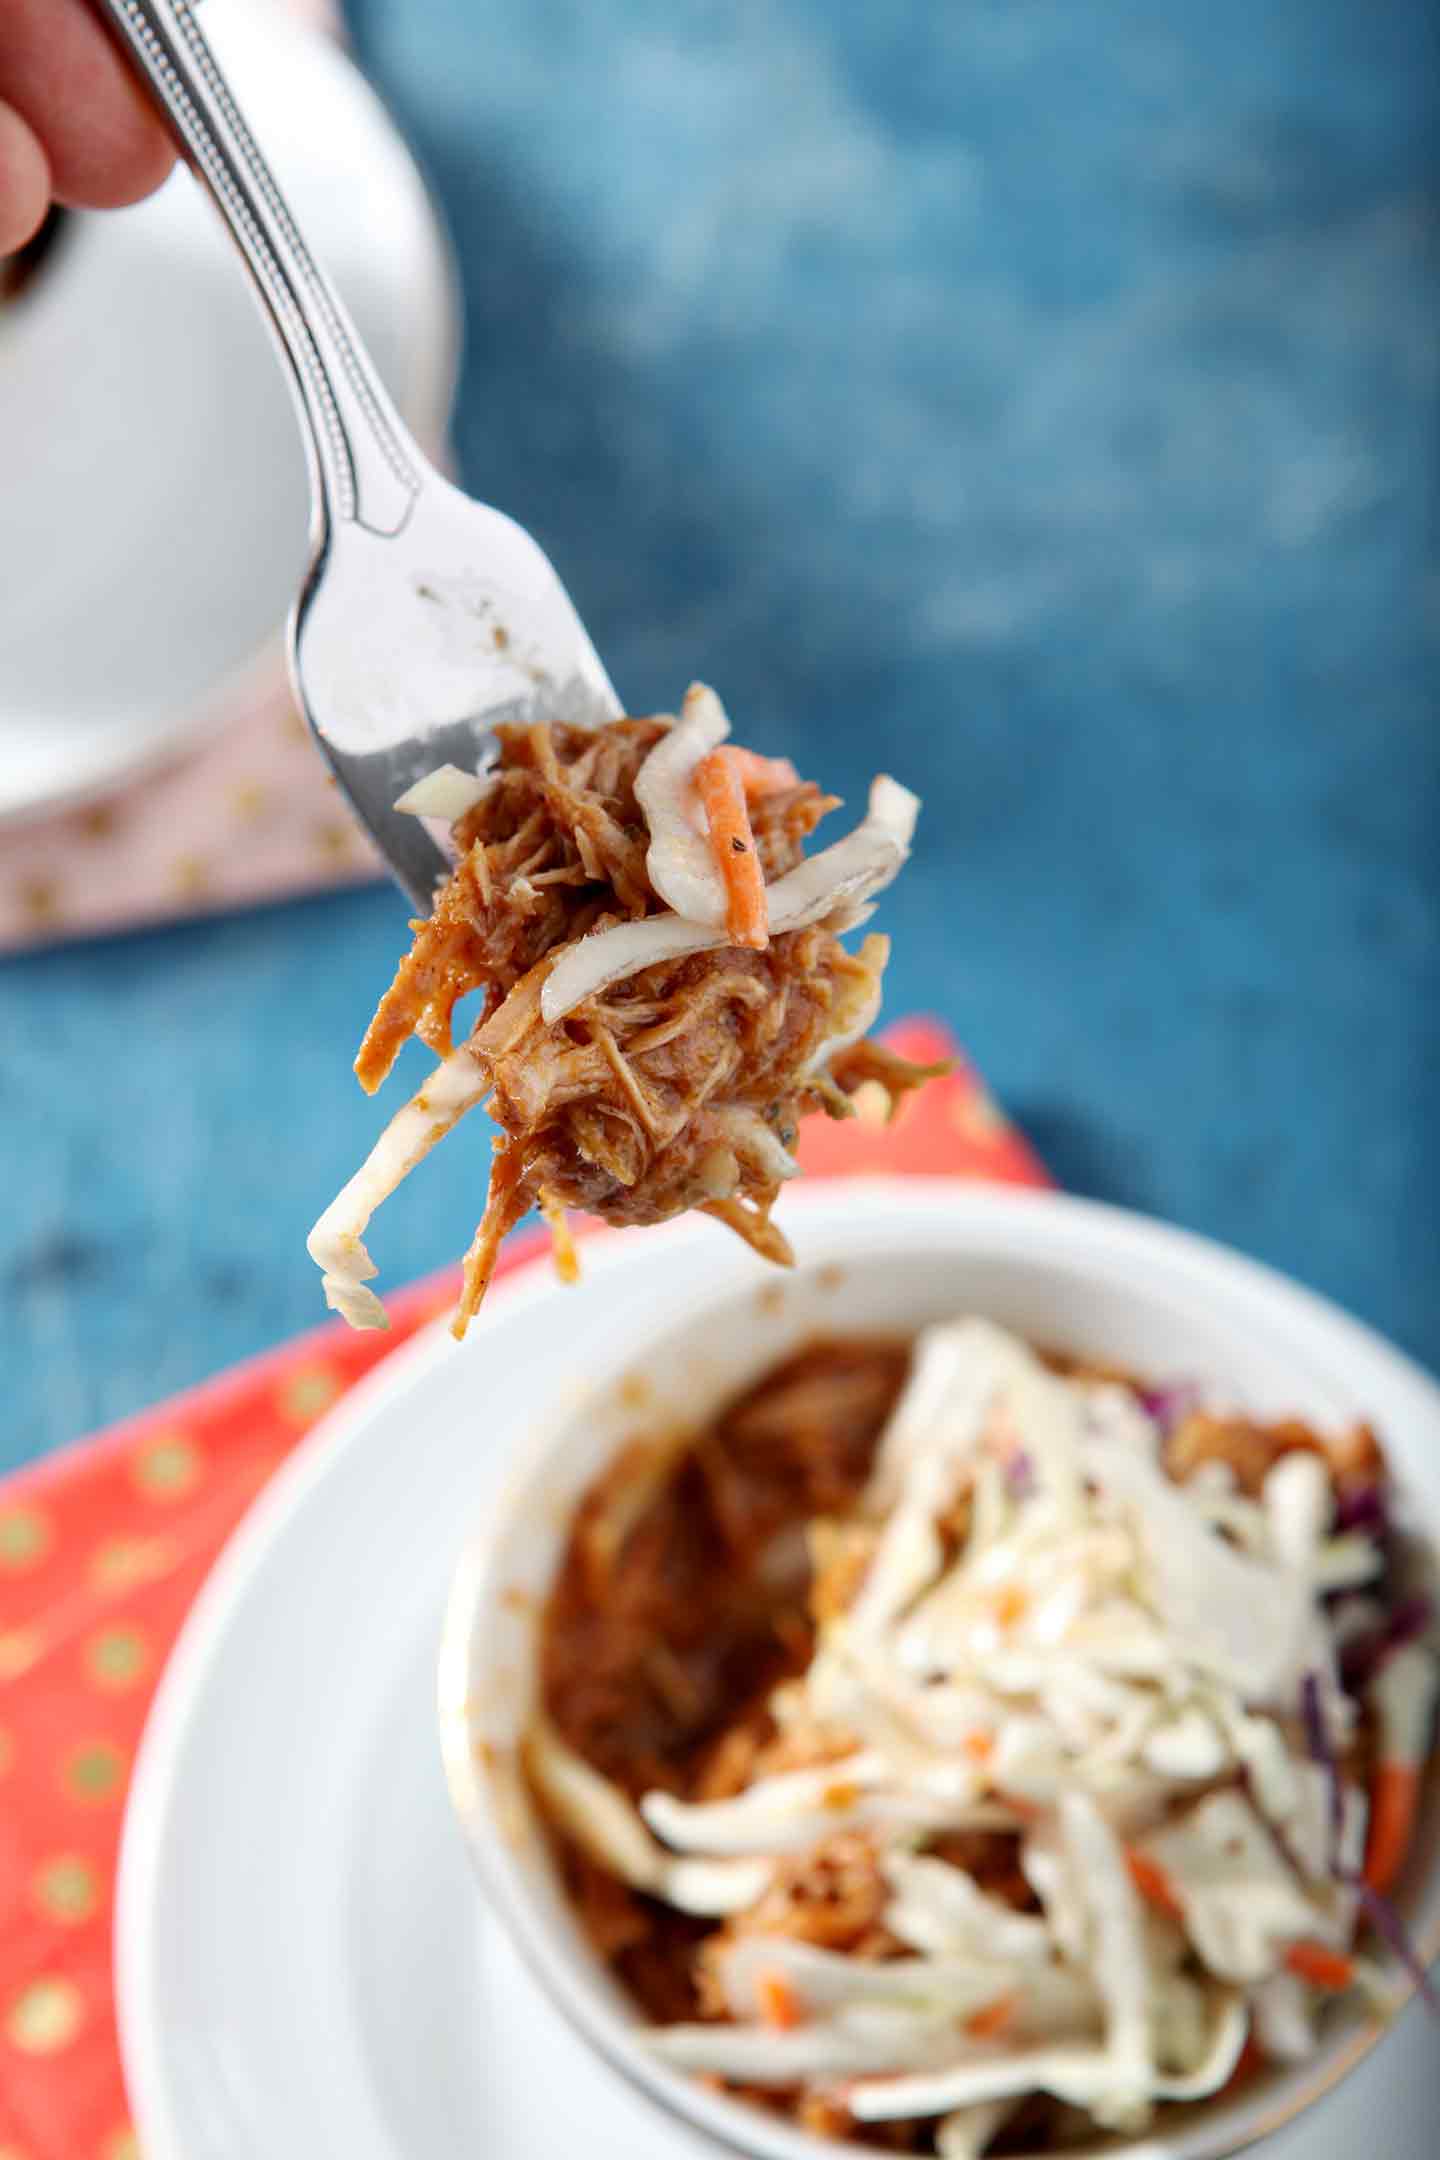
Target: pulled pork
point(669, 1628)
point(679, 1087)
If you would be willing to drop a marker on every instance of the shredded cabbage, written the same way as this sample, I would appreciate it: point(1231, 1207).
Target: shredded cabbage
point(681, 862)
point(447, 792)
point(601, 1820)
point(336, 1242)
point(842, 876)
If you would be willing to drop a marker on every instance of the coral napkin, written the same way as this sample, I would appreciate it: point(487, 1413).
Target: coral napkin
point(101, 1551)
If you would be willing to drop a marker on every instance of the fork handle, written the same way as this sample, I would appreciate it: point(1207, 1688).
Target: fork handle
point(364, 466)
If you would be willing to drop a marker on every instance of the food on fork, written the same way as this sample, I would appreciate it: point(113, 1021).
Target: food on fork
point(957, 1748)
point(665, 990)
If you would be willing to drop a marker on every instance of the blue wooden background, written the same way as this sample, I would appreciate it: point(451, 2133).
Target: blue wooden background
point(1039, 398)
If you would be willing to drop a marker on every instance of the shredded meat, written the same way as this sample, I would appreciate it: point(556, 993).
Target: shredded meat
point(668, 1091)
point(659, 1688)
point(1247, 1449)
point(640, 1675)
point(832, 1896)
point(556, 841)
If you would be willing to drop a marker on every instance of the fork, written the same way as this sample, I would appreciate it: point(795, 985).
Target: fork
point(424, 617)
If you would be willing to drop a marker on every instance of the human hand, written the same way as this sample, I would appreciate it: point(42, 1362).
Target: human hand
point(75, 125)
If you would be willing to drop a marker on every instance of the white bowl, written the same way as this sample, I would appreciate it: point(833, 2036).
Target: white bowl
point(891, 1257)
point(154, 493)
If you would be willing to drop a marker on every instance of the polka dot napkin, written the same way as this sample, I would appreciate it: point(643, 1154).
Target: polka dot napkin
point(101, 1551)
point(249, 813)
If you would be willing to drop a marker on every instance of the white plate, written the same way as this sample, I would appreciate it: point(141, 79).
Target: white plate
point(304, 1966)
point(154, 510)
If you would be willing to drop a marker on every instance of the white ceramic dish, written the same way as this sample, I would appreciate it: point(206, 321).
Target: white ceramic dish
point(154, 488)
point(1074, 1276)
point(303, 1964)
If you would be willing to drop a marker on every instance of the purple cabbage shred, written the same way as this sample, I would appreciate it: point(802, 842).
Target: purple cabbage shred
point(1362, 1657)
point(1169, 1406)
point(1409, 1620)
point(1363, 1508)
point(1317, 1740)
point(1019, 1473)
point(1387, 1923)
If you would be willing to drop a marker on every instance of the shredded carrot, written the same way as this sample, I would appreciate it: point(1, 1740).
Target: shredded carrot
point(1320, 1965)
point(979, 1746)
point(991, 2019)
point(1153, 1884)
point(1394, 1798)
point(732, 842)
point(780, 2006)
point(840, 1796)
point(1010, 1605)
point(762, 775)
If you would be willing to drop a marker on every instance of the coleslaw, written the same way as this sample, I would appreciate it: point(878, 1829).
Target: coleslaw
point(1078, 1726)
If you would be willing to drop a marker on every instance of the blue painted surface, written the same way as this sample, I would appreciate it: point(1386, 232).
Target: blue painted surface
point(1040, 399)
